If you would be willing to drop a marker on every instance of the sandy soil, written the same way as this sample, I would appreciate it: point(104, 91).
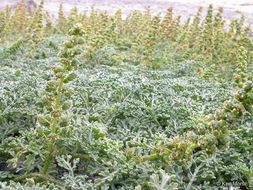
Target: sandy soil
point(233, 9)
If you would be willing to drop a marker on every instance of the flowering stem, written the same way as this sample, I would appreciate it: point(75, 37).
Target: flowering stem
point(54, 125)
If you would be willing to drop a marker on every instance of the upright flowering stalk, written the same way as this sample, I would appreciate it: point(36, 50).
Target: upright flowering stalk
point(119, 23)
point(50, 27)
point(167, 25)
point(6, 24)
point(19, 19)
point(205, 42)
point(57, 109)
point(73, 17)
point(35, 29)
point(151, 39)
point(62, 21)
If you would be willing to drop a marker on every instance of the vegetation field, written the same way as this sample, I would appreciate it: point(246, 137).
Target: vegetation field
point(147, 103)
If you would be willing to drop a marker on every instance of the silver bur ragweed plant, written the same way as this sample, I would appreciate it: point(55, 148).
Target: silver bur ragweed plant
point(56, 115)
point(56, 88)
point(35, 29)
point(62, 21)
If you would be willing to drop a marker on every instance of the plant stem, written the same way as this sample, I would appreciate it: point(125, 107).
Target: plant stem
point(54, 126)
point(148, 158)
point(81, 156)
point(39, 176)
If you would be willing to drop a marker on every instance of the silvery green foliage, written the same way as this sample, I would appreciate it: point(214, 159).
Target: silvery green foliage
point(162, 183)
point(27, 186)
point(119, 114)
point(72, 181)
point(66, 163)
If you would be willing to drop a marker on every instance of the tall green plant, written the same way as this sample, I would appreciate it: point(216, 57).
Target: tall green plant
point(57, 107)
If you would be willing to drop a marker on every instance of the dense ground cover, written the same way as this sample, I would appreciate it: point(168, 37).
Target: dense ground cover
point(113, 105)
